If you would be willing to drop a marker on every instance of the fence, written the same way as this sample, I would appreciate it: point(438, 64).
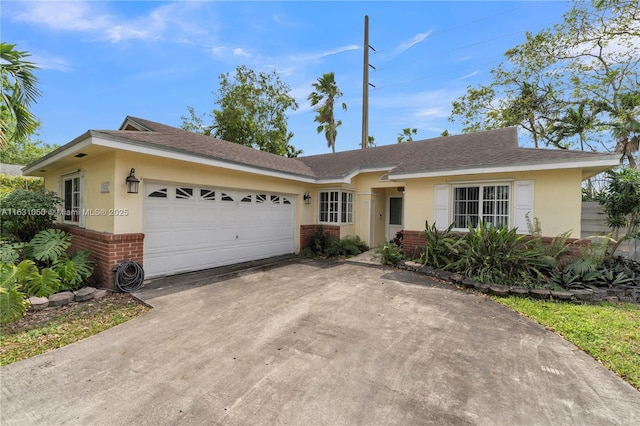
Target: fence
point(594, 222)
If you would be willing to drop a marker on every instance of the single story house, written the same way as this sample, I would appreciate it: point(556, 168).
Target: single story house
point(204, 202)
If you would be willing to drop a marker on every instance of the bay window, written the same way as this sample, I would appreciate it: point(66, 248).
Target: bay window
point(336, 207)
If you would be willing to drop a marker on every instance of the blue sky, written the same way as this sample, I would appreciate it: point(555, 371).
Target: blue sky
point(101, 61)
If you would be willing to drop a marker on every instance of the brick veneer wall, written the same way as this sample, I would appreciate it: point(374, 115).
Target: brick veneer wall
point(306, 231)
point(107, 251)
point(414, 241)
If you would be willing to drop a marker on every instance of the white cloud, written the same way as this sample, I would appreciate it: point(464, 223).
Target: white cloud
point(412, 42)
point(47, 62)
point(238, 51)
point(92, 18)
point(313, 56)
point(468, 75)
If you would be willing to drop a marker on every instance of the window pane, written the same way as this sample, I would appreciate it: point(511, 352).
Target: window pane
point(395, 211)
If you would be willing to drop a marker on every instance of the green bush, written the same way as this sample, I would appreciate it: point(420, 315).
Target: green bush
point(390, 254)
point(9, 183)
point(322, 243)
point(25, 212)
point(45, 269)
point(441, 247)
point(500, 256)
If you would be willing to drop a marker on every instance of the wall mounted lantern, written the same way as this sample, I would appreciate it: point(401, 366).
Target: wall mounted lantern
point(132, 182)
point(307, 198)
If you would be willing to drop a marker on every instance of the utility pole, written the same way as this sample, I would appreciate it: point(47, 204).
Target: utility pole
point(365, 85)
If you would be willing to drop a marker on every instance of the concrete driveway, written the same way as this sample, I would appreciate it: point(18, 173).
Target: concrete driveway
point(319, 344)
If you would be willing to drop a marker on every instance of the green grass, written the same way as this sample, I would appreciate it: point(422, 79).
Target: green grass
point(609, 333)
point(42, 331)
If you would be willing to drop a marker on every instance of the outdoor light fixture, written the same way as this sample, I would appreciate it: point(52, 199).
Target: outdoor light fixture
point(132, 182)
point(307, 198)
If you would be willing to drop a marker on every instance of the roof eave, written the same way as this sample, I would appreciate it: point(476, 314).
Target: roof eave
point(601, 163)
point(72, 147)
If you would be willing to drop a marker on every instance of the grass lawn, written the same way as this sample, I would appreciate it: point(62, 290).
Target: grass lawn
point(42, 331)
point(609, 333)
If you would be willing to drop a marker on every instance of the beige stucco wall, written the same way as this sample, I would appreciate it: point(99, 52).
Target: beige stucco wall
point(96, 171)
point(557, 198)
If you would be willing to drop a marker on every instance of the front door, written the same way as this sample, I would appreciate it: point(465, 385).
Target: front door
point(394, 217)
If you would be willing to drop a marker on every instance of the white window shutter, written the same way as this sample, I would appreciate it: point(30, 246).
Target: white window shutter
point(441, 205)
point(522, 205)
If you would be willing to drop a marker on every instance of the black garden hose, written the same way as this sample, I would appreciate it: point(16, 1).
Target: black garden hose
point(129, 276)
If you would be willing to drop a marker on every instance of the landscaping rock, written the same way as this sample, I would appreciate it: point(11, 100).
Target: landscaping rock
point(84, 294)
point(611, 299)
point(540, 293)
point(633, 293)
point(38, 303)
point(582, 295)
point(519, 291)
point(499, 290)
point(412, 266)
point(427, 270)
point(99, 294)
point(481, 287)
point(61, 299)
point(456, 278)
point(561, 295)
point(444, 275)
point(615, 292)
point(599, 294)
point(467, 283)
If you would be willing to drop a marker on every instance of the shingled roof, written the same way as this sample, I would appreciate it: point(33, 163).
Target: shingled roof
point(493, 149)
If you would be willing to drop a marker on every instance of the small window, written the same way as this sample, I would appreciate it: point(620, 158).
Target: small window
point(71, 199)
point(160, 193)
point(225, 197)
point(184, 193)
point(207, 194)
point(285, 201)
point(275, 199)
point(261, 198)
point(246, 199)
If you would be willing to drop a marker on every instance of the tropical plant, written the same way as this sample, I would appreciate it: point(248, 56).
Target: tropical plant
point(12, 302)
point(499, 255)
point(441, 247)
point(347, 246)
point(407, 135)
point(323, 99)
point(19, 91)
point(390, 254)
point(49, 245)
point(621, 204)
point(26, 212)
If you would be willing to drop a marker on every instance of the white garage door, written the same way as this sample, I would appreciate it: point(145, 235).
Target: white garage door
point(189, 227)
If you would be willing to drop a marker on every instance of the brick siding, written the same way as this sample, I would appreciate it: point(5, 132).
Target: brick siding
point(306, 231)
point(107, 251)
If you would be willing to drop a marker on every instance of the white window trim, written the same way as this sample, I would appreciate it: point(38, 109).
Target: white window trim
point(81, 191)
point(481, 185)
point(339, 212)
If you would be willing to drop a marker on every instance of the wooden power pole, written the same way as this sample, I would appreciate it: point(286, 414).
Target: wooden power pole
point(365, 85)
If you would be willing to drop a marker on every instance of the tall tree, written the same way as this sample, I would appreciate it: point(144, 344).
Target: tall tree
point(323, 99)
point(252, 112)
point(592, 56)
point(407, 135)
point(19, 91)
point(575, 122)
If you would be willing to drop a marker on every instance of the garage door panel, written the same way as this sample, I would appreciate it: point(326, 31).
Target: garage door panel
point(209, 227)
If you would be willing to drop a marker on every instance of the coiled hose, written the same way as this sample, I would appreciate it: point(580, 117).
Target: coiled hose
point(129, 276)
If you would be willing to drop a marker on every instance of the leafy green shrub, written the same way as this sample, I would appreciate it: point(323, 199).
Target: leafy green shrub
point(320, 242)
point(9, 183)
point(621, 204)
point(347, 246)
point(390, 254)
point(441, 247)
point(499, 255)
point(46, 268)
point(12, 302)
point(25, 212)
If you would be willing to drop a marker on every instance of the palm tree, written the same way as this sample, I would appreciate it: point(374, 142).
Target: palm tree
point(326, 90)
point(18, 92)
point(407, 135)
point(574, 122)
